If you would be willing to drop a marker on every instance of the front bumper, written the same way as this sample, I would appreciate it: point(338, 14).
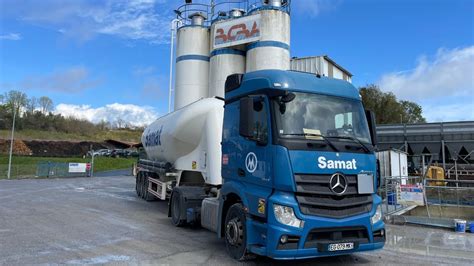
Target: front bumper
point(303, 245)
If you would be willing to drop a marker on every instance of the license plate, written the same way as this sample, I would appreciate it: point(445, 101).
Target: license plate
point(340, 246)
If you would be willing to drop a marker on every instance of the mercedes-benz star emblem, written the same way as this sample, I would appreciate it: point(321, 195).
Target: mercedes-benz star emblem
point(338, 184)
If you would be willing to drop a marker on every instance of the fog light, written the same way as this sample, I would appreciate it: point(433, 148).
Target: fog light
point(283, 239)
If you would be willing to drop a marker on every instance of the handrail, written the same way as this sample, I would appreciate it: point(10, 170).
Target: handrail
point(213, 10)
point(452, 181)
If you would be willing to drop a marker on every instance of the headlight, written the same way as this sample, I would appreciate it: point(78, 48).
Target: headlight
point(377, 215)
point(286, 216)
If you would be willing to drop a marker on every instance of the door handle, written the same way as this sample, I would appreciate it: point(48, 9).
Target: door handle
point(241, 172)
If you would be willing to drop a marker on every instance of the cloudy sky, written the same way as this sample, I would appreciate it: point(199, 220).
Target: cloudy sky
point(108, 59)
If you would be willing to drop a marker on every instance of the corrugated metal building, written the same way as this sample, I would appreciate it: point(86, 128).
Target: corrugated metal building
point(322, 65)
point(447, 140)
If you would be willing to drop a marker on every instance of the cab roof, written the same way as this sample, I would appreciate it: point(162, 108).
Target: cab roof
point(265, 80)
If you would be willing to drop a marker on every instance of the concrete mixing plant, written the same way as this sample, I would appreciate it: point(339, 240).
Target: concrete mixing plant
point(278, 163)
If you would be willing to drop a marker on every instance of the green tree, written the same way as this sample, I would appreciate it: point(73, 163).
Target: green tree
point(388, 109)
point(413, 113)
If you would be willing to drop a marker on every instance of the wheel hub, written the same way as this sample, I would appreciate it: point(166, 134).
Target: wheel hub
point(234, 232)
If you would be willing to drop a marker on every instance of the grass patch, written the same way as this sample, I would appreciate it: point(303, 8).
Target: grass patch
point(26, 166)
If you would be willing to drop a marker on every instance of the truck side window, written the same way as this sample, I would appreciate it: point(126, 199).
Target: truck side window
point(260, 129)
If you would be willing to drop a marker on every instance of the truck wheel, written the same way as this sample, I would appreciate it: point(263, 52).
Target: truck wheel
point(236, 233)
point(176, 210)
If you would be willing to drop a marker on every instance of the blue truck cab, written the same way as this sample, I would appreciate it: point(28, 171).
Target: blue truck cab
point(299, 168)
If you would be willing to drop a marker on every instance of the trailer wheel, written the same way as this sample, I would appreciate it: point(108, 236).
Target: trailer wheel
point(176, 210)
point(236, 233)
point(144, 185)
point(139, 184)
point(147, 195)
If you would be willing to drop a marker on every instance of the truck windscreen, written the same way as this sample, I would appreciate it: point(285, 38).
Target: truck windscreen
point(315, 116)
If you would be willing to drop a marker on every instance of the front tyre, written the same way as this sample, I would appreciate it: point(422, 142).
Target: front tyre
point(236, 233)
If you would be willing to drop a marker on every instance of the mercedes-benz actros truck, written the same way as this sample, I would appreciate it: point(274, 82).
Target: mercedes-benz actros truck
point(278, 163)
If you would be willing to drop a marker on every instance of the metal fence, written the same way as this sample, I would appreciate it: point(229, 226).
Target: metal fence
point(436, 200)
point(18, 171)
point(390, 192)
point(54, 169)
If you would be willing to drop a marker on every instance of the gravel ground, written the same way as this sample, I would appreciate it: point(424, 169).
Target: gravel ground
point(100, 221)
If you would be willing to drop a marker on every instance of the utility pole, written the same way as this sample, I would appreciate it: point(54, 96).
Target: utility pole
point(92, 164)
point(91, 171)
point(11, 142)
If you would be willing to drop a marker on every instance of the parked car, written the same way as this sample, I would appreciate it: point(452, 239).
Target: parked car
point(101, 152)
point(133, 153)
point(104, 152)
point(119, 153)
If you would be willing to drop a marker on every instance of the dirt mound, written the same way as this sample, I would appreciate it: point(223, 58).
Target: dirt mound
point(19, 147)
point(63, 148)
point(51, 148)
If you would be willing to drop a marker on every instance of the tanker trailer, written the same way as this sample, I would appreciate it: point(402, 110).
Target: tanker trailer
point(180, 145)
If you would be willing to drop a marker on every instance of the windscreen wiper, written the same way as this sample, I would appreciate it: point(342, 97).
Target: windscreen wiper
point(366, 149)
point(315, 135)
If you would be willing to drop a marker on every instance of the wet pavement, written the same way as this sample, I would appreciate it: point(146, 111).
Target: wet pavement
point(100, 221)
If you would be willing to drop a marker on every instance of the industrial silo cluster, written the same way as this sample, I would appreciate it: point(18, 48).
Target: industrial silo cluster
point(213, 45)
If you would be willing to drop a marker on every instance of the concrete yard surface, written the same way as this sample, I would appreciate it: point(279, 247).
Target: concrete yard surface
point(100, 221)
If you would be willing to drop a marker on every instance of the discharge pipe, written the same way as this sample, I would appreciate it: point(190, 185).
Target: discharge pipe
point(174, 26)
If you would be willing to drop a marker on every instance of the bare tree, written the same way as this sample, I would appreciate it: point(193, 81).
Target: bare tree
point(120, 123)
point(45, 104)
point(15, 100)
point(32, 104)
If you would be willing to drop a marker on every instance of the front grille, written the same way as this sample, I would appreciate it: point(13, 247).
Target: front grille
point(316, 198)
point(319, 238)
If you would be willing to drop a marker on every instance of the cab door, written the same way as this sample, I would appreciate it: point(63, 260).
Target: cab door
point(255, 162)
point(246, 148)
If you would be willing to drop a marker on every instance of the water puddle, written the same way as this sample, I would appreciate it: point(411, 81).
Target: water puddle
point(430, 242)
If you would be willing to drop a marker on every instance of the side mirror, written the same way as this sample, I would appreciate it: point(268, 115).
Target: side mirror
point(246, 117)
point(372, 126)
point(289, 97)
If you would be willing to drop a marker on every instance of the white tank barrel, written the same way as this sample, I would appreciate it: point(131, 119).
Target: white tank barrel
point(192, 62)
point(189, 138)
point(273, 49)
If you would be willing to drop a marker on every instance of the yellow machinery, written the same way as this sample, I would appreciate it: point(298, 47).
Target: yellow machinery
point(435, 172)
